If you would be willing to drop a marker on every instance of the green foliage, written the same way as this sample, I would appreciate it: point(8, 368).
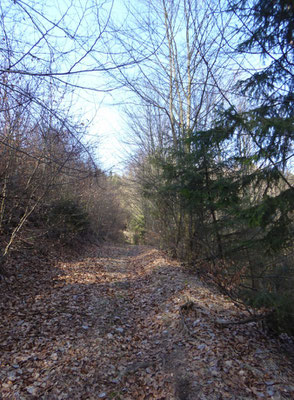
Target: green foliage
point(67, 219)
point(282, 305)
point(265, 209)
point(222, 195)
point(268, 31)
point(138, 229)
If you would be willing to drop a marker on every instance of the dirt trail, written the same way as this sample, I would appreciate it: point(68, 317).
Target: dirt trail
point(112, 326)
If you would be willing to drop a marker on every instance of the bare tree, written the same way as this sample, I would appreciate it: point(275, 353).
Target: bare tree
point(49, 50)
point(178, 88)
point(61, 41)
point(187, 71)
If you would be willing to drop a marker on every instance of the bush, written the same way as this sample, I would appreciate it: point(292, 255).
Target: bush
point(282, 318)
point(274, 291)
point(67, 220)
point(137, 227)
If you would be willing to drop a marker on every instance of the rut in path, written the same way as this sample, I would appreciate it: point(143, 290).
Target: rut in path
point(112, 325)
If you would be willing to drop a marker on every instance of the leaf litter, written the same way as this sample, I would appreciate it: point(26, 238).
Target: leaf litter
point(127, 323)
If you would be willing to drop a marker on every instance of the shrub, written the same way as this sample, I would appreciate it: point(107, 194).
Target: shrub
point(67, 220)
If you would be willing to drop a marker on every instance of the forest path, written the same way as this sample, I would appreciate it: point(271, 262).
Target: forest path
point(112, 326)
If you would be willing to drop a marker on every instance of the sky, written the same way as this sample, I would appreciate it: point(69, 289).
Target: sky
point(57, 34)
point(62, 32)
point(109, 129)
point(59, 37)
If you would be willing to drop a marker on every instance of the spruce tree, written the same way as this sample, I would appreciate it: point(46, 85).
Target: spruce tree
point(266, 28)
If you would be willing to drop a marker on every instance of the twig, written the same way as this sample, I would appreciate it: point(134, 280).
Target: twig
point(223, 323)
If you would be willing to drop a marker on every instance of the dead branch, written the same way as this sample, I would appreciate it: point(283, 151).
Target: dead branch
point(223, 323)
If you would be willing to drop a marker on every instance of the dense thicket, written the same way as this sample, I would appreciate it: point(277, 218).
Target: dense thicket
point(50, 185)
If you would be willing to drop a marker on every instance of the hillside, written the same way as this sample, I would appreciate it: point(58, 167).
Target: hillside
point(126, 322)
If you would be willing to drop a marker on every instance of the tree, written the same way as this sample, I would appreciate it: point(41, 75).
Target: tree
point(219, 186)
point(62, 42)
point(181, 77)
point(178, 89)
point(268, 31)
point(266, 194)
point(64, 51)
point(49, 52)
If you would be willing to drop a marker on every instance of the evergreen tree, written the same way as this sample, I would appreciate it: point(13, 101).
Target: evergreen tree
point(266, 28)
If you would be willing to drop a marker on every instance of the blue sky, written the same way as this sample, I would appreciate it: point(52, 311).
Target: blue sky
point(101, 109)
point(39, 44)
point(108, 130)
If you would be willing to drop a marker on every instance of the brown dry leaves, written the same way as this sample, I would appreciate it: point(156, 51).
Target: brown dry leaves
point(111, 326)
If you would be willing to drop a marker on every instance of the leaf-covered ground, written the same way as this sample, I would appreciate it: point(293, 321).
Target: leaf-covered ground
point(127, 323)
